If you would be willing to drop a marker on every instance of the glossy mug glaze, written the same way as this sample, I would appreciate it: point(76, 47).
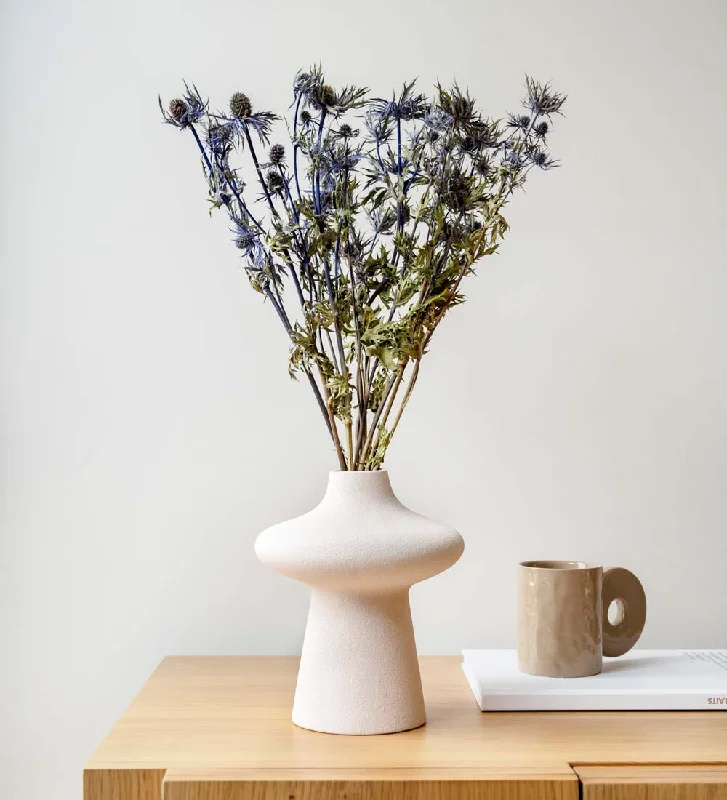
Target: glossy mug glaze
point(563, 625)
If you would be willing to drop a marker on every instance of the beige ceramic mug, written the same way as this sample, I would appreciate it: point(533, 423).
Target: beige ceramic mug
point(563, 618)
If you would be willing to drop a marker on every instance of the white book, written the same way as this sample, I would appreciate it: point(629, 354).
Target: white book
point(641, 680)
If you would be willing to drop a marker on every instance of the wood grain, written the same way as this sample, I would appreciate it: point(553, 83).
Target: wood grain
point(122, 784)
point(232, 711)
point(653, 782)
point(212, 713)
point(370, 785)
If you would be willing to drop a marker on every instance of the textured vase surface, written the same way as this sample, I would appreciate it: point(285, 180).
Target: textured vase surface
point(360, 550)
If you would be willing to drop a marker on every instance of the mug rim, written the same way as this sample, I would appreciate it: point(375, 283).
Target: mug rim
point(555, 565)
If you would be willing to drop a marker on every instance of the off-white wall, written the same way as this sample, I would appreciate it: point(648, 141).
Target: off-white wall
point(574, 407)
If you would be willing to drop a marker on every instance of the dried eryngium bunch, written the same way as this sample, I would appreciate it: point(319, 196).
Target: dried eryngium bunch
point(370, 226)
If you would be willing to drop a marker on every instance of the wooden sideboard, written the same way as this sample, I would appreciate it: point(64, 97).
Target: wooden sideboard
point(218, 728)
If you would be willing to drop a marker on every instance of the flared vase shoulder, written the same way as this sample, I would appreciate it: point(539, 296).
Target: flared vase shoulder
point(359, 537)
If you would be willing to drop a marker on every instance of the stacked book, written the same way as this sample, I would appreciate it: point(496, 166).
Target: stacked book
point(640, 680)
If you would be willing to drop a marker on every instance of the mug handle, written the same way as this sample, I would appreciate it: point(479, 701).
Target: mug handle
point(622, 587)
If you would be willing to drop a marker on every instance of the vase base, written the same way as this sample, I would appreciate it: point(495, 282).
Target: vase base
point(299, 724)
point(359, 672)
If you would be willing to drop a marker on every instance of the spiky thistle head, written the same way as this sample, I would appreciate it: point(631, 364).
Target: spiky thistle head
point(458, 105)
point(177, 108)
point(541, 159)
point(240, 106)
point(277, 154)
point(275, 181)
point(244, 241)
point(541, 99)
point(482, 166)
point(185, 110)
point(219, 136)
point(306, 82)
point(323, 97)
point(327, 95)
point(518, 121)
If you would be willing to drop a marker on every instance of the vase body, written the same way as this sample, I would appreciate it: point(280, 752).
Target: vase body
point(360, 550)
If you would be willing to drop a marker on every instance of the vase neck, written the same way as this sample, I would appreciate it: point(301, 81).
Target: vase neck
point(358, 488)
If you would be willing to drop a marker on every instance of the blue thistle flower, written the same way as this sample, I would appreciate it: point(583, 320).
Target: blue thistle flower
point(323, 97)
point(541, 159)
point(541, 100)
point(248, 243)
point(245, 242)
point(277, 154)
point(486, 133)
point(406, 106)
point(177, 108)
point(242, 118)
point(437, 122)
point(482, 166)
point(518, 121)
point(185, 110)
point(456, 193)
point(240, 106)
point(346, 132)
point(219, 136)
point(459, 105)
point(305, 83)
point(310, 88)
point(275, 182)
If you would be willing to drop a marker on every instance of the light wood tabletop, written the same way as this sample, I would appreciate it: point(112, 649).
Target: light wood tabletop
point(218, 728)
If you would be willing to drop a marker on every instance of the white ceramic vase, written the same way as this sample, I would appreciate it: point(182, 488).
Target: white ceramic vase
point(360, 550)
